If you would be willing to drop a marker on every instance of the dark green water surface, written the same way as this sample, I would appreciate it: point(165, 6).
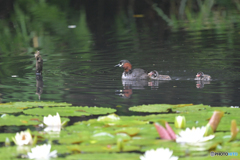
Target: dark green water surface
point(79, 62)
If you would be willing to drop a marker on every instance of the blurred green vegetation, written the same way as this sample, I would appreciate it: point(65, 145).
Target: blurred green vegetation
point(198, 15)
point(32, 24)
point(44, 24)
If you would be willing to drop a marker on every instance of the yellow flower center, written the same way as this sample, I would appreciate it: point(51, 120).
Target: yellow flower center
point(23, 137)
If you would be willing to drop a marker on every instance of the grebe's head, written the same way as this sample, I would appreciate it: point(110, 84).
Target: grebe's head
point(125, 64)
point(153, 74)
point(200, 74)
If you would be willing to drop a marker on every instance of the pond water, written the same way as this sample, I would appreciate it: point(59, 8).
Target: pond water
point(79, 62)
point(73, 77)
point(81, 42)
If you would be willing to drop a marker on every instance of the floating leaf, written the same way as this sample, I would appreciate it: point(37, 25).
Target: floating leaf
point(123, 136)
point(226, 110)
point(18, 120)
point(191, 108)
point(119, 123)
point(106, 156)
point(145, 141)
point(3, 136)
point(70, 111)
point(130, 131)
point(75, 138)
point(23, 105)
point(102, 148)
point(10, 110)
point(103, 136)
point(153, 108)
point(8, 153)
point(22, 120)
point(109, 118)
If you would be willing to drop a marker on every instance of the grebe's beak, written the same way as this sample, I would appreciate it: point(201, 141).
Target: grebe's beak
point(118, 65)
point(198, 75)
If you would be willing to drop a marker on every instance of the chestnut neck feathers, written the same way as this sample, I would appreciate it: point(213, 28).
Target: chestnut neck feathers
point(127, 67)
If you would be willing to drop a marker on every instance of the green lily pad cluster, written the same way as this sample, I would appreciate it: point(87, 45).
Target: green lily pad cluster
point(10, 120)
point(120, 137)
point(70, 111)
point(22, 120)
point(24, 105)
point(158, 108)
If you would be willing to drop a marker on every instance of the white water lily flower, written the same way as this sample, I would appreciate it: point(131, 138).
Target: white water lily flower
point(42, 152)
point(23, 138)
point(195, 135)
point(52, 120)
point(160, 153)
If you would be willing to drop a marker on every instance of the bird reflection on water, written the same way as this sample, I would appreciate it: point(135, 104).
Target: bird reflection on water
point(129, 85)
point(200, 84)
point(39, 85)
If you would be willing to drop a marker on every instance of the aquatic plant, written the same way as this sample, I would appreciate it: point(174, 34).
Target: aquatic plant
point(165, 132)
point(160, 153)
point(180, 122)
point(52, 120)
point(115, 134)
point(42, 152)
point(193, 136)
point(23, 138)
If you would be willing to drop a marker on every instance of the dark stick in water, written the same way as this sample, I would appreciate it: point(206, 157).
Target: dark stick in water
point(39, 63)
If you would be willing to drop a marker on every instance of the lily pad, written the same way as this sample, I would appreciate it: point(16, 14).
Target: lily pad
point(191, 108)
point(153, 108)
point(119, 123)
point(227, 110)
point(107, 135)
point(8, 152)
point(70, 111)
point(92, 148)
point(22, 120)
point(19, 120)
point(101, 148)
point(106, 156)
point(15, 152)
point(74, 138)
point(10, 110)
point(130, 131)
point(3, 136)
point(24, 105)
